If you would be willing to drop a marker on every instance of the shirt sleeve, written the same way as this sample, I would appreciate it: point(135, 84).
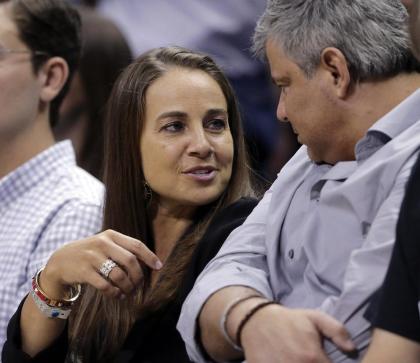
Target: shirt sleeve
point(366, 270)
point(240, 261)
point(73, 221)
point(13, 353)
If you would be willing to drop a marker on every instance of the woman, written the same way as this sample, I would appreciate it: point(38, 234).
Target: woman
point(176, 170)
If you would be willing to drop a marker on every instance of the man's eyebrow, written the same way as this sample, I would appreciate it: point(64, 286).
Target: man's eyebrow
point(283, 79)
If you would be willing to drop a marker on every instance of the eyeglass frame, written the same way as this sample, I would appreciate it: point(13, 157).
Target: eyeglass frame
point(4, 51)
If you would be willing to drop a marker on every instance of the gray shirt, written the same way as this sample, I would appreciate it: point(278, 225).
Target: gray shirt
point(322, 236)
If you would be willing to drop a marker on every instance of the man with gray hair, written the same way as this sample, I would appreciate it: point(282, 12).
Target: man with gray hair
point(317, 246)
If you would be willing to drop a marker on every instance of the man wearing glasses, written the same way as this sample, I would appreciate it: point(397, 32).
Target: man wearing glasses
point(45, 199)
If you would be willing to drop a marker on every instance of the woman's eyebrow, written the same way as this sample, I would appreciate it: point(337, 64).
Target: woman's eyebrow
point(172, 114)
point(216, 111)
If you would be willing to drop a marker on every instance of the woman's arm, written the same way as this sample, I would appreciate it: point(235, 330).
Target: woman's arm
point(79, 262)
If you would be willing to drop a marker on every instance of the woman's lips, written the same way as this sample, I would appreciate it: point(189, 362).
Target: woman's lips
point(202, 174)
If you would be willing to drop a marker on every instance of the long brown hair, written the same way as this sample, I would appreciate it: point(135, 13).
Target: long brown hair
point(101, 324)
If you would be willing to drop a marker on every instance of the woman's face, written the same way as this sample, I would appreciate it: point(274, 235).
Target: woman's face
point(186, 144)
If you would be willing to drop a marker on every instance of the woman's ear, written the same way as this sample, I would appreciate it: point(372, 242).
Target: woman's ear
point(53, 75)
point(334, 62)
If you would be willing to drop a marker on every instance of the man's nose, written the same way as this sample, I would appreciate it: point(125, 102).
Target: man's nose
point(281, 110)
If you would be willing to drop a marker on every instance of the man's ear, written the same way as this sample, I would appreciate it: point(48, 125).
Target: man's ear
point(53, 75)
point(334, 62)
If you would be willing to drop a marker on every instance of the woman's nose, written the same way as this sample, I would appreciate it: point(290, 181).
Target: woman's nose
point(199, 144)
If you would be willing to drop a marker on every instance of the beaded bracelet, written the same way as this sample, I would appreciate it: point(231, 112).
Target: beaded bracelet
point(51, 307)
point(50, 311)
point(249, 316)
point(225, 316)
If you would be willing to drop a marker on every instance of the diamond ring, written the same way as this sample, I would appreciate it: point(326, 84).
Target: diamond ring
point(107, 267)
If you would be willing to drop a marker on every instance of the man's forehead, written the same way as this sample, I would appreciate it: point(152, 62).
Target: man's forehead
point(274, 52)
point(8, 29)
point(280, 64)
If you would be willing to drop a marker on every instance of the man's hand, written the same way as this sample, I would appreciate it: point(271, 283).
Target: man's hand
point(278, 334)
point(272, 334)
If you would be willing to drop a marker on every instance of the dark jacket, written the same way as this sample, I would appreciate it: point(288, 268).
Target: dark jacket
point(153, 339)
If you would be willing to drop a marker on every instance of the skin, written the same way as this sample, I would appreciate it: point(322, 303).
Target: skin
point(181, 133)
point(315, 123)
point(387, 347)
point(329, 114)
point(24, 98)
point(74, 119)
point(274, 334)
point(182, 137)
point(185, 133)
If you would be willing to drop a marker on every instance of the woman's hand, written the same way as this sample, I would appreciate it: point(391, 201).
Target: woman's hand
point(80, 261)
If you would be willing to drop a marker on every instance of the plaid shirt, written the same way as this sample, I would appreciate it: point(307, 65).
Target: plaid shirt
point(44, 203)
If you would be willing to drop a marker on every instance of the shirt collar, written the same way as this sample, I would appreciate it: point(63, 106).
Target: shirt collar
point(400, 118)
point(53, 160)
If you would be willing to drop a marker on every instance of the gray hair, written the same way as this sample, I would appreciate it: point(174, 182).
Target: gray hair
point(372, 34)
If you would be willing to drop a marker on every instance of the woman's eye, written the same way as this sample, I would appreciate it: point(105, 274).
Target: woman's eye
point(174, 126)
point(216, 124)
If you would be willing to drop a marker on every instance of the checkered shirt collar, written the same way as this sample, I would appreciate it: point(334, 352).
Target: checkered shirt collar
point(26, 176)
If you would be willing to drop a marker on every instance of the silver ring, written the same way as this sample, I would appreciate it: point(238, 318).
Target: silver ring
point(107, 267)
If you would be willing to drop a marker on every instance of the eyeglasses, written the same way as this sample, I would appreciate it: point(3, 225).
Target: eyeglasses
point(5, 51)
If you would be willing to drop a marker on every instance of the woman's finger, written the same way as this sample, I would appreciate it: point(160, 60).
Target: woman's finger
point(125, 274)
point(119, 278)
point(138, 248)
point(105, 286)
point(124, 258)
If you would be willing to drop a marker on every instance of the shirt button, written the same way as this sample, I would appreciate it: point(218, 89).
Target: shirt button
point(291, 254)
